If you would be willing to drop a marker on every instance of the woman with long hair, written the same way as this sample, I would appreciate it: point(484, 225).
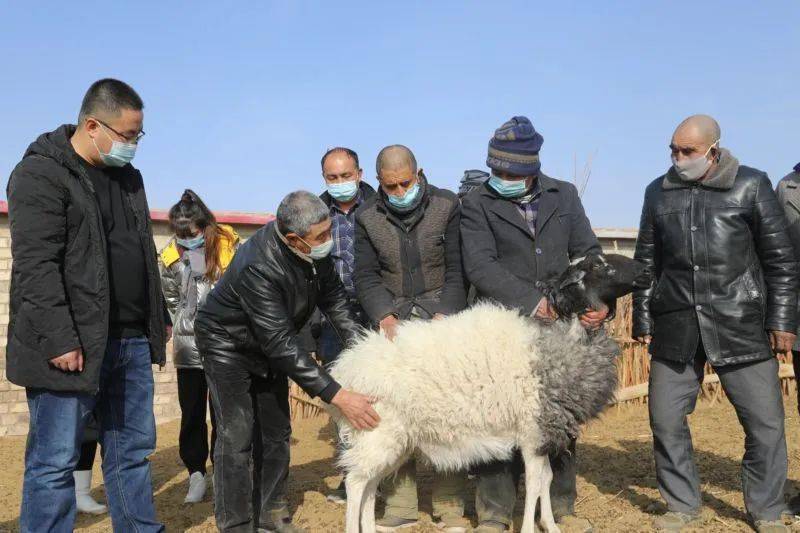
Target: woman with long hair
point(191, 264)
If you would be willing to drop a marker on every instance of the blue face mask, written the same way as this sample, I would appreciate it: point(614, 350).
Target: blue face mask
point(343, 192)
point(193, 243)
point(407, 199)
point(120, 154)
point(508, 188)
point(320, 251)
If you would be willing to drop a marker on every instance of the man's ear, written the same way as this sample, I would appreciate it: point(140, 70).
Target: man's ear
point(574, 277)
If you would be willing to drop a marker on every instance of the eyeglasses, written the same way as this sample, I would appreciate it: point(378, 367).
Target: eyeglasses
point(135, 139)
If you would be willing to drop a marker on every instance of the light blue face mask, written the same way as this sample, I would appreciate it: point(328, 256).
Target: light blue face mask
point(407, 199)
point(120, 154)
point(193, 243)
point(320, 251)
point(508, 188)
point(343, 192)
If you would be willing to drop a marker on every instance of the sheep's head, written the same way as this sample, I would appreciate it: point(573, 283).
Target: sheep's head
point(595, 281)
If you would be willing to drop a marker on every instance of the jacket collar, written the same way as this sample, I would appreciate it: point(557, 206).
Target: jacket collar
point(722, 178)
point(508, 210)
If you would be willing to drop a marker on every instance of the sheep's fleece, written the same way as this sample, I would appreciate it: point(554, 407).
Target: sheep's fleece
point(472, 387)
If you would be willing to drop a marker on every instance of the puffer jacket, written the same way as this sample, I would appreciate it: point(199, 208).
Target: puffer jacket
point(60, 295)
point(788, 192)
point(253, 316)
point(725, 270)
point(185, 290)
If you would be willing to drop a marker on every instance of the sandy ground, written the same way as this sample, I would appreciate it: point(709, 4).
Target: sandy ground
point(616, 481)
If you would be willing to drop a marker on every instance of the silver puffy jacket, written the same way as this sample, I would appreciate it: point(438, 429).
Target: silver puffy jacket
point(185, 289)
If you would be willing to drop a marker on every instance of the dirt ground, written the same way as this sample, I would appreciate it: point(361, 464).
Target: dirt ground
point(616, 488)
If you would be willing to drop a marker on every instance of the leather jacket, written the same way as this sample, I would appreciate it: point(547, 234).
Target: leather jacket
point(725, 270)
point(255, 312)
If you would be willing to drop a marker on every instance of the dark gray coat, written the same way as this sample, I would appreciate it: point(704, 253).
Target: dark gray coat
point(724, 266)
point(788, 192)
point(503, 260)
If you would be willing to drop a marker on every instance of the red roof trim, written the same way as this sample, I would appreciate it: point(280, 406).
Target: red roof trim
point(224, 217)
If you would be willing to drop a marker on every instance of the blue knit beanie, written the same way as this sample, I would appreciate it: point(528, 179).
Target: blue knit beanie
point(514, 148)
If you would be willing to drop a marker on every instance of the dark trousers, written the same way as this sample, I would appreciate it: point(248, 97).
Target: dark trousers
point(496, 490)
point(86, 459)
point(251, 457)
point(754, 390)
point(193, 439)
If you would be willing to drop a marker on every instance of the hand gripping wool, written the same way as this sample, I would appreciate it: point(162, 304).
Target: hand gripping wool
point(476, 386)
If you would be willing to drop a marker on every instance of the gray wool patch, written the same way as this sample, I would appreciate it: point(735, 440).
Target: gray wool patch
point(578, 379)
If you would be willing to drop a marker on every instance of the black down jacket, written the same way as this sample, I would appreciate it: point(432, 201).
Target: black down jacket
point(60, 295)
point(724, 266)
point(254, 314)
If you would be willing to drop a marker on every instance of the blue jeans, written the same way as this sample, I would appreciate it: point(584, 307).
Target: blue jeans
point(124, 410)
point(329, 345)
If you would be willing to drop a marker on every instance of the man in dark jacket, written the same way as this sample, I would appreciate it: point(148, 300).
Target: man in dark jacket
point(345, 193)
point(725, 293)
point(87, 314)
point(518, 229)
point(408, 266)
point(788, 192)
point(247, 334)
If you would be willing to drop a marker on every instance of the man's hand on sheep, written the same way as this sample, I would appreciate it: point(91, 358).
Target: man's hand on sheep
point(645, 339)
point(593, 318)
point(389, 326)
point(545, 311)
point(781, 341)
point(357, 408)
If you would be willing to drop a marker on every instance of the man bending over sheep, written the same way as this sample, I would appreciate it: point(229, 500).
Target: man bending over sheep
point(408, 266)
point(517, 229)
point(247, 333)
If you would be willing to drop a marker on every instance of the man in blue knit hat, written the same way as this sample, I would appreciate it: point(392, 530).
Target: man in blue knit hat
point(518, 229)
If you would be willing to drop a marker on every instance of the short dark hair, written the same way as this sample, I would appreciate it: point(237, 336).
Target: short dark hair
point(109, 96)
point(340, 149)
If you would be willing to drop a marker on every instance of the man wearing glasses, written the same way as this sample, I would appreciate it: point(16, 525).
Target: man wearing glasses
point(87, 314)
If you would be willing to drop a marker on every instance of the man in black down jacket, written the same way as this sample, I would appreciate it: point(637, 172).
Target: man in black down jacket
point(87, 314)
point(247, 334)
point(518, 229)
point(408, 266)
point(725, 293)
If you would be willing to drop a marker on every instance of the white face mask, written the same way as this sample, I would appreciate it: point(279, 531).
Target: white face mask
point(693, 169)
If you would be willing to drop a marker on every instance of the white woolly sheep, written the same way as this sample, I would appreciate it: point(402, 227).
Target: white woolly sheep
point(476, 386)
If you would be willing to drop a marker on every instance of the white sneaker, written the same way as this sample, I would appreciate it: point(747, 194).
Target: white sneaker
point(84, 500)
point(197, 488)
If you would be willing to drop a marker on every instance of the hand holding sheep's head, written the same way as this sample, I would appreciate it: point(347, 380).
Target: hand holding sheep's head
point(595, 281)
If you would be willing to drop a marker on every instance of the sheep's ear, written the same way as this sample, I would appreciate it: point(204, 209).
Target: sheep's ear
point(574, 277)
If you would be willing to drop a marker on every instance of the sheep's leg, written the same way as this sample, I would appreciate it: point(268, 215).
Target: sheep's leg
point(534, 470)
point(546, 509)
point(368, 506)
point(355, 487)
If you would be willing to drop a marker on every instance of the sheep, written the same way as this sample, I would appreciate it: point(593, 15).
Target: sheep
point(475, 386)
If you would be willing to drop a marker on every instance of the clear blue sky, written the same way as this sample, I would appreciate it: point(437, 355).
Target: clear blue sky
point(243, 98)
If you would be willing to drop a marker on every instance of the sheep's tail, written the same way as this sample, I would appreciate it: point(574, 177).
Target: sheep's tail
point(578, 378)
